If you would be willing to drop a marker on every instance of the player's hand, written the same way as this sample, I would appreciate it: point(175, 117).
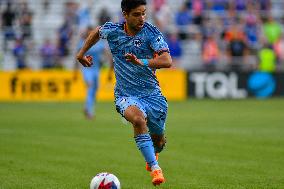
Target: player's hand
point(132, 58)
point(86, 61)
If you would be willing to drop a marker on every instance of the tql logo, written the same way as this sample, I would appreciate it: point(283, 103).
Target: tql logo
point(216, 85)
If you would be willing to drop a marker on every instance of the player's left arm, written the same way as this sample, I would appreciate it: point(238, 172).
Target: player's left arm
point(158, 44)
point(163, 60)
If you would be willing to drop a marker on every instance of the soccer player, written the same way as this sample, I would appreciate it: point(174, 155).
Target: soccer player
point(138, 49)
point(91, 74)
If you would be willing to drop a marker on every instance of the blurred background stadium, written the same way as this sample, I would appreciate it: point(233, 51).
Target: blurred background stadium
point(222, 49)
point(233, 32)
point(229, 39)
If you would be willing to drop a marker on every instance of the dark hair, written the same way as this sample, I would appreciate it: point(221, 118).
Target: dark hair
point(128, 5)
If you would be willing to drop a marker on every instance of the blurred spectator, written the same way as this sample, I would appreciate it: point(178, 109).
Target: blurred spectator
point(197, 8)
point(70, 13)
point(182, 16)
point(234, 31)
point(182, 20)
point(230, 17)
point(209, 27)
point(265, 6)
point(210, 53)
point(157, 4)
point(219, 6)
point(159, 18)
point(175, 48)
point(237, 48)
point(272, 30)
point(20, 53)
point(188, 4)
point(193, 48)
point(25, 19)
point(252, 36)
point(8, 18)
point(279, 50)
point(84, 17)
point(48, 54)
point(251, 27)
point(65, 33)
point(46, 6)
point(267, 59)
point(104, 16)
point(240, 5)
point(194, 18)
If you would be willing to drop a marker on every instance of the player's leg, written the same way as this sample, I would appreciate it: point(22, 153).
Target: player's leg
point(144, 142)
point(156, 107)
point(137, 119)
point(134, 112)
point(89, 78)
point(157, 112)
point(159, 142)
point(142, 138)
point(94, 89)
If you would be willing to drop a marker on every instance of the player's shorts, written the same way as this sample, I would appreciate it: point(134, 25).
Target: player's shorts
point(154, 109)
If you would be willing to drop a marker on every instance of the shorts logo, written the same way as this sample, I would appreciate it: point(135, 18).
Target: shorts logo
point(122, 101)
point(137, 42)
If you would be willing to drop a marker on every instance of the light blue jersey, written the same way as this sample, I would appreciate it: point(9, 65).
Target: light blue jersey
point(131, 79)
point(137, 85)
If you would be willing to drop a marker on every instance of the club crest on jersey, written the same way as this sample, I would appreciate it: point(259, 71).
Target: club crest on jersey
point(137, 42)
point(159, 39)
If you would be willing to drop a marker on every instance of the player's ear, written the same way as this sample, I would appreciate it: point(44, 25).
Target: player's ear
point(124, 14)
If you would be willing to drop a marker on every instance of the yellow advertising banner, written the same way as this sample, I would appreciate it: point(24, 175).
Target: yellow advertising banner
point(56, 85)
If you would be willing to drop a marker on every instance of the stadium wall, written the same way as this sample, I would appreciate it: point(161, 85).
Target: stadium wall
point(63, 86)
point(177, 85)
point(235, 85)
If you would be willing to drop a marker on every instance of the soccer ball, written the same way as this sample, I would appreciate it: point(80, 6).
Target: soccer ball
point(105, 181)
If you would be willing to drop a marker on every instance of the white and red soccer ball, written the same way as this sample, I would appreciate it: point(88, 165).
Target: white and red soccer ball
point(105, 181)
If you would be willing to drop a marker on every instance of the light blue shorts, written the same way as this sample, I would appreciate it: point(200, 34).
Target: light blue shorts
point(154, 109)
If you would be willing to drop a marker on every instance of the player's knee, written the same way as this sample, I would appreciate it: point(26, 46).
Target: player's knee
point(139, 125)
point(139, 121)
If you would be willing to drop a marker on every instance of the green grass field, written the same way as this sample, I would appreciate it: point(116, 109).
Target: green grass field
point(211, 144)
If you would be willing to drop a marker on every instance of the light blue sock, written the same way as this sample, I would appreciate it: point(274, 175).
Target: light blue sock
point(145, 145)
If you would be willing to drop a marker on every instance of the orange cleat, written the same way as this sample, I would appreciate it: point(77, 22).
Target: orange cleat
point(158, 177)
point(148, 168)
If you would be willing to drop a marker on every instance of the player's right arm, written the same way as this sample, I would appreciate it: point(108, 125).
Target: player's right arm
point(91, 40)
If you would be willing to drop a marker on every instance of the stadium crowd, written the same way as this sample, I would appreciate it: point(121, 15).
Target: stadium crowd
point(202, 34)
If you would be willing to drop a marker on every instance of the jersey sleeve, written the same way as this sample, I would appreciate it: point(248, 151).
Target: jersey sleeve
point(158, 42)
point(106, 29)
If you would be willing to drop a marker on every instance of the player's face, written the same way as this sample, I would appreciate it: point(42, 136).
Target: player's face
point(135, 19)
